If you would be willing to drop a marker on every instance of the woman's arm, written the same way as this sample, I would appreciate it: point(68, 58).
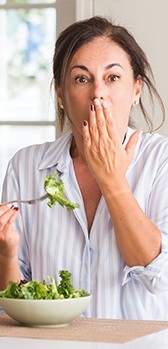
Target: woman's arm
point(138, 239)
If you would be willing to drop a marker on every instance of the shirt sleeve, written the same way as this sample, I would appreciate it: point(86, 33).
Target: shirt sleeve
point(154, 277)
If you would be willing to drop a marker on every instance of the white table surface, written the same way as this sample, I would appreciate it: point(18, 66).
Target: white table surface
point(157, 340)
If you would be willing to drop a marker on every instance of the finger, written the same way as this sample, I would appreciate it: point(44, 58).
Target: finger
point(4, 208)
point(130, 147)
point(93, 129)
point(8, 217)
point(110, 124)
point(99, 117)
point(86, 135)
point(105, 120)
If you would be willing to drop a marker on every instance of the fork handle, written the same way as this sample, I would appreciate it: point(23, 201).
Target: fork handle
point(9, 202)
point(29, 202)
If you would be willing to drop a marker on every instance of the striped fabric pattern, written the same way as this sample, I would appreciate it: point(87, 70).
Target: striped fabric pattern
point(52, 239)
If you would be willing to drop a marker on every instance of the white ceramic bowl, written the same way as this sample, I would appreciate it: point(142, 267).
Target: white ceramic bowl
point(47, 313)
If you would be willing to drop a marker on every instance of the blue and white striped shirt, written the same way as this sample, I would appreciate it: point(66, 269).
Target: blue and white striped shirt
point(52, 239)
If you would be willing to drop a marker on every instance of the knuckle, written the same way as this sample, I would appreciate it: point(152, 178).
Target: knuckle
point(109, 122)
point(93, 128)
point(100, 122)
point(86, 139)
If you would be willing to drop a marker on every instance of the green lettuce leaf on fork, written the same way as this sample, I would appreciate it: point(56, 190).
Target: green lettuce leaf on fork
point(55, 192)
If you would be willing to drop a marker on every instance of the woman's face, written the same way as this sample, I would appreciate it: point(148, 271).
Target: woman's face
point(99, 69)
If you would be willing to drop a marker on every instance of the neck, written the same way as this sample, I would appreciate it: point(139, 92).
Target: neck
point(76, 150)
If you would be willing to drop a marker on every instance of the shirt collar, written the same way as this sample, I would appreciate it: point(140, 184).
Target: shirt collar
point(57, 154)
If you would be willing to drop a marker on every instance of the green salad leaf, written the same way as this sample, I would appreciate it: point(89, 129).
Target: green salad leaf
point(55, 192)
point(43, 290)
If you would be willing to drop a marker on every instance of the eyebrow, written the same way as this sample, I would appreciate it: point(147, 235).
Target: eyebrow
point(83, 67)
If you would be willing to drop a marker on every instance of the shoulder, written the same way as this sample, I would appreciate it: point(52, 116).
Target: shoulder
point(155, 143)
point(150, 149)
point(147, 140)
point(41, 153)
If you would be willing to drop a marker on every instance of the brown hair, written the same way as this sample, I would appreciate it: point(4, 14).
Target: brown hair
point(84, 31)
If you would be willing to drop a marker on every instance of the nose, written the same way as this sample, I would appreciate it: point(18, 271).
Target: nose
point(96, 97)
point(97, 91)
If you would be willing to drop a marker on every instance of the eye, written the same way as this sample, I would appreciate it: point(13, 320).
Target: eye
point(113, 77)
point(81, 79)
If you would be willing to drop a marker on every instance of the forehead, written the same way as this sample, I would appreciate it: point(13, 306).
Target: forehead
point(100, 50)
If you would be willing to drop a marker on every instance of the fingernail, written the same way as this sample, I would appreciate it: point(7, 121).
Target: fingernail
point(104, 104)
point(92, 107)
point(16, 208)
point(85, 123)
point(96, 101)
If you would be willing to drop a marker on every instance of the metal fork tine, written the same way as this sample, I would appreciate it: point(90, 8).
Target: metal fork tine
point(29, 202)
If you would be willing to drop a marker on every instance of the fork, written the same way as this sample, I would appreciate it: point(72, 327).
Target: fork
point(29, 202)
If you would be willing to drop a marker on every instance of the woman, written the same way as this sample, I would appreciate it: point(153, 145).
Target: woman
point(115, 244)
